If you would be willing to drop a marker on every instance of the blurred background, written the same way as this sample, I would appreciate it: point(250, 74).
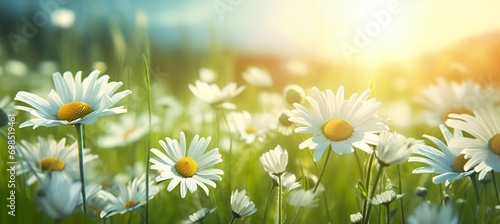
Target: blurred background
point(402, 45)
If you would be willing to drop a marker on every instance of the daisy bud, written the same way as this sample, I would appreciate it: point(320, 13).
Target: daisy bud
point(421, 192)
point(294, 94)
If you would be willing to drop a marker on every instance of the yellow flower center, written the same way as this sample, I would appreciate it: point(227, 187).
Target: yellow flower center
point(74, 110)
point(130, 203)
point(459, 163)
point(284, 120)
point(494, 144)
point(456, 110)
point(250, 129)
point(186, 167)
point(129, 132)
point(51, 164)
point(337, 130)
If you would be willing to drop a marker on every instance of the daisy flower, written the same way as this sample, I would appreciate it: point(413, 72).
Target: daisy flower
point(338, 123)
point(258, 77)
point(386, 197)
point(289, 180)
point(447, 162)
point(394, 148)
point(59, 195)
point(275, 161)
point(189, 169)
point(131, 197)
point(199, 215)
point(212, 94)
point(73, 101)
point(303, 198)
point(356, 218)
point(285, 127)
point(207, 75)
point(483, 151)
point(241, 205)
point(49, 156)
point(251, 127)
point(426, 213)
point(130, 129)
point(444, 98)
point(294, 94)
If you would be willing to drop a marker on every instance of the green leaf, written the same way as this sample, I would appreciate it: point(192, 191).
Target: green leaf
point(394, 211)
point(362, 188)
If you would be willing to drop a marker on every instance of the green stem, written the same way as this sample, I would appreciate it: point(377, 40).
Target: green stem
point(268, 202)
point(232, 219)
point(323, 170)
point(230, 151)
point(79, 131)
point(388, 213)
point(147, 79)
point(317, 170)
point(296, 215)
point(358, 161)
point(401, 204)
point(473, 178)
point(366, 215)
point(368, 175)
point(493, 178)
point(280, 199)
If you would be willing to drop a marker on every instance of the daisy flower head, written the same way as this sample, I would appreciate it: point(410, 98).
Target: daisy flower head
point(275, 161)
point(294, 94)
point(251, 127)
point(447, 162)
point(207, 75)
point(59, 195)
point(50, 156)
point(131, 197)
point(289, 181)
point(444, 98)
point(212, 94)
point(386, 197)
point(303, 198)
point(427, 213)
point(199, 215)
point(356, 217)
point(241, 205)
point(483, 151)
point(394, 148)
point(130, 129)
point(285, 126)
point(187, 169)
point(337, 123)
point(73, 101)
point(258, 77)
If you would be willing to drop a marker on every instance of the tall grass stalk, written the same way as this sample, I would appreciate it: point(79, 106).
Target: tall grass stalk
point(147, 80)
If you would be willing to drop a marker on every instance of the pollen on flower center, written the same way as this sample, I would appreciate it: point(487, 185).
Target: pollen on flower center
point(73, 110)
point(51, 164)
point(186, 166)
point(494, 144)
point(250, 129)
point(459, 163)
point(130, 203)
point(337, 130)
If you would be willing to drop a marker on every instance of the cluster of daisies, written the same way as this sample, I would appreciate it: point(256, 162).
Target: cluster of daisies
point(331, 122)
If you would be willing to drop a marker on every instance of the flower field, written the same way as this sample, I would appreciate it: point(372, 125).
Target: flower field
point(113, 127)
